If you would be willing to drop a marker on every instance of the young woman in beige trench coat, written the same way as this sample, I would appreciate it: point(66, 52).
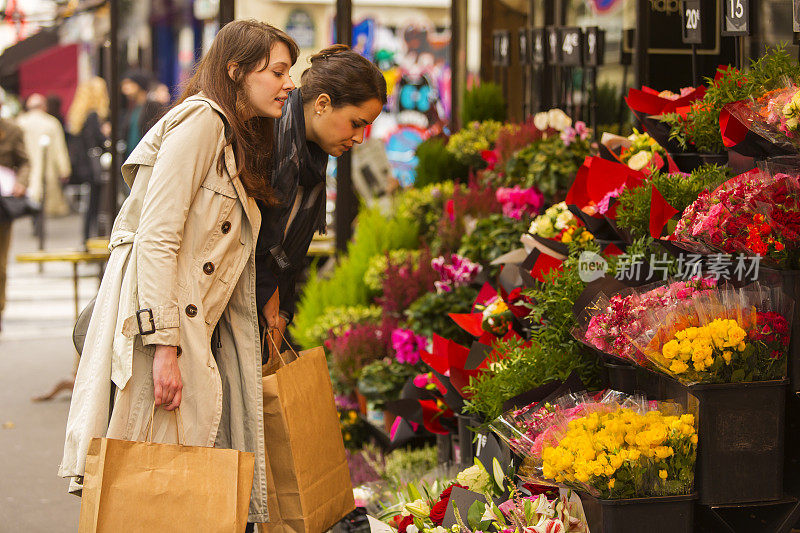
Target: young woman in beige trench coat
point(175, 321)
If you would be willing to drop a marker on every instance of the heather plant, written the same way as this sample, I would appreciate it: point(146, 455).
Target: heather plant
point(335, 320)
point(405, 281)
point(351, 351)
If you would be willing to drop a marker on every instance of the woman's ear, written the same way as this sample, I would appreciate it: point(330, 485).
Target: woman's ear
point(322, 103)
point(233, 70)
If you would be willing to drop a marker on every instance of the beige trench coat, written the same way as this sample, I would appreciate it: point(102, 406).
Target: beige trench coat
point(183, 245)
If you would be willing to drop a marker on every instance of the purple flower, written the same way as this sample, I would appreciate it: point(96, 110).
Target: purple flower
point(568, 135)
point(603, 206)
point(460, 271)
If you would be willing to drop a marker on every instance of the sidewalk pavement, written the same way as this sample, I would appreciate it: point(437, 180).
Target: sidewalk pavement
point(36, 352)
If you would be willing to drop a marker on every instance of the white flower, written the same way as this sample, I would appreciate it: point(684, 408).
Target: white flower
point(558, 119)
point(564, 219)
point(418, 508)
point(639, 160)
point(540, 120)
point(475, 478)
point(411, 528)
point(542, 226)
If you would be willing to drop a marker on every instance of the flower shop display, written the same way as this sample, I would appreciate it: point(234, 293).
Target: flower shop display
point(724, 335)
point(700, 127)
point(472, 140)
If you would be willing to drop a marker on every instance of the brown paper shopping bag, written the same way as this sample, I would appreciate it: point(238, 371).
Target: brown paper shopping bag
point(308, 479)
point(150, 487)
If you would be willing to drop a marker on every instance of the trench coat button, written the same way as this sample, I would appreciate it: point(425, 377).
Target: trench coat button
point(191, 310)
point(226, 227)
point(208, 268)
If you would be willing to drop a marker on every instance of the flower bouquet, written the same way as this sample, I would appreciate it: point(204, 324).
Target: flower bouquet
point(619, 447)
point(756, 213)
point(722, 336)
point(609, 323)
point(557, 227)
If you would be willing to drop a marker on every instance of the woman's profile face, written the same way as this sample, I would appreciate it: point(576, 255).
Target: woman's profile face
point(337, 129)
point(268, 88)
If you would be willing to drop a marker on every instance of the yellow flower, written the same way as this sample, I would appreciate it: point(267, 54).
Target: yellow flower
point(678, 367)
point(662, 474)
point(670, 349)
point(611, 483)
point(727, 356)
point(694, 438)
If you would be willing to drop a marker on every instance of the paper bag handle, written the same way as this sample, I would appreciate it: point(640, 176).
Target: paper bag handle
point(178, 424)
point(272, 340)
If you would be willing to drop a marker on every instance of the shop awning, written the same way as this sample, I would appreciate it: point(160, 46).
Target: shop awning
point(54, 71)
point(14, 55)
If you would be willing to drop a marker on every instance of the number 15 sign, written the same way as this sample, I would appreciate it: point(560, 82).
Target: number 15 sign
point(737, 17)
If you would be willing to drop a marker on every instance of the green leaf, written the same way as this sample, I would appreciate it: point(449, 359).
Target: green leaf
point(475, 514)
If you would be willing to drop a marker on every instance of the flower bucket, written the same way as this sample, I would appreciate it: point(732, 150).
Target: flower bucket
point(621, 376)
point(741, 438)
point(741, 431)
point(659, 514)
point(790, 282)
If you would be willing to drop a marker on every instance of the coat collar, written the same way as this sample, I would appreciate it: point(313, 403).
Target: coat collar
point(250, 206)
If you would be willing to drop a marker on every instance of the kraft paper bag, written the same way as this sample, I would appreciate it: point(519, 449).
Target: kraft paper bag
point(308, 479)
point(150, 487)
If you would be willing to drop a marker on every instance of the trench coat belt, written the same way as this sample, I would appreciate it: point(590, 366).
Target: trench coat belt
point(162, 317)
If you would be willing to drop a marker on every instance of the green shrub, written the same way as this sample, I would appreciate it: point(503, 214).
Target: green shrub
point(429, 314)
point(374, 235)
point(492, 237)
point(436, 164)
point(484, 102)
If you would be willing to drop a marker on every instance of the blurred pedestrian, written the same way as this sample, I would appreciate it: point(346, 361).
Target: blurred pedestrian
point(49, 159)
point(54, 107)
point(85, 123)
point(182, 268)
point(158, 100)
point(14, 168)
point(142, 111)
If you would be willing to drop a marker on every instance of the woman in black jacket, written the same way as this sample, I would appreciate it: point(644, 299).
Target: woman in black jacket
point(341, 93)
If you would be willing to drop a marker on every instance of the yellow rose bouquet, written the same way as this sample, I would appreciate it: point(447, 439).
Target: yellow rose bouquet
point(726, 336)
point(617, 446)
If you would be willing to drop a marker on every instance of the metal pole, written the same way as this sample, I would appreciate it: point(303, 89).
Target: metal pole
point(642, 42)
point(346, 200)
point(695, 80)
point(44, 142)
point(226, 12)
point(458, 60)
point(114, 173)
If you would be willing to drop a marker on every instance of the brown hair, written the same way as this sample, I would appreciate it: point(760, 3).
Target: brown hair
point(344, 75)
point(246, 43)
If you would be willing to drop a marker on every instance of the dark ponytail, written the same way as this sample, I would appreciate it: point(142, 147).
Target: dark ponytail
point(344, 75)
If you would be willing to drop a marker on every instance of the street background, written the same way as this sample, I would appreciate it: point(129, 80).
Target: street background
point(36, 352)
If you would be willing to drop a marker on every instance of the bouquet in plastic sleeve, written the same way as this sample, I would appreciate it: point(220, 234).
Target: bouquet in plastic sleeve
point(724, 336)
point(765, 125)
point(756, 213)
point(608, 324)
point(620, 447)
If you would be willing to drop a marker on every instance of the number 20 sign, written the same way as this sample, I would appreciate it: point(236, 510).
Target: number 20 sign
point(691, 22)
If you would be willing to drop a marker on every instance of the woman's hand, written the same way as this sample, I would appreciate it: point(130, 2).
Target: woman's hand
point(167, 384)
point(271, 314)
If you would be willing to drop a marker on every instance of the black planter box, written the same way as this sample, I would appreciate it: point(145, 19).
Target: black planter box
point(661, 514)
point(621, 376)
point(740, 426)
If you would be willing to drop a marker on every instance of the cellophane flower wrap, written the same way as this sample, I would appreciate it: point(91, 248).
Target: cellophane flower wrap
point(756, 213)
point(620, 446)
point(774, 115)
point(724, 336)
point(608, 324)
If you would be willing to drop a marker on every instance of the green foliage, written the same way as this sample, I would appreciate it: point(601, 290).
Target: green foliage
point(436, 164)
point(548, 164)
point(553, 353)
point(375, 234)
point(492, 237)
point(484, 102)
point(381, 381)
point(467, 143)
point(701, 126)
point(338, 319)
point(680, 191)
point(425, 205)
point(429, 314)
point(376, 270)
point(608, 103)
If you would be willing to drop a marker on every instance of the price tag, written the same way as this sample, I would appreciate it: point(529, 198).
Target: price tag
point(691, 22)
point(571, 46)
point(737, 17)
point(538, 46)
point(594, 48)
point(553, 50)
point(502, 52)
point(524, 41)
